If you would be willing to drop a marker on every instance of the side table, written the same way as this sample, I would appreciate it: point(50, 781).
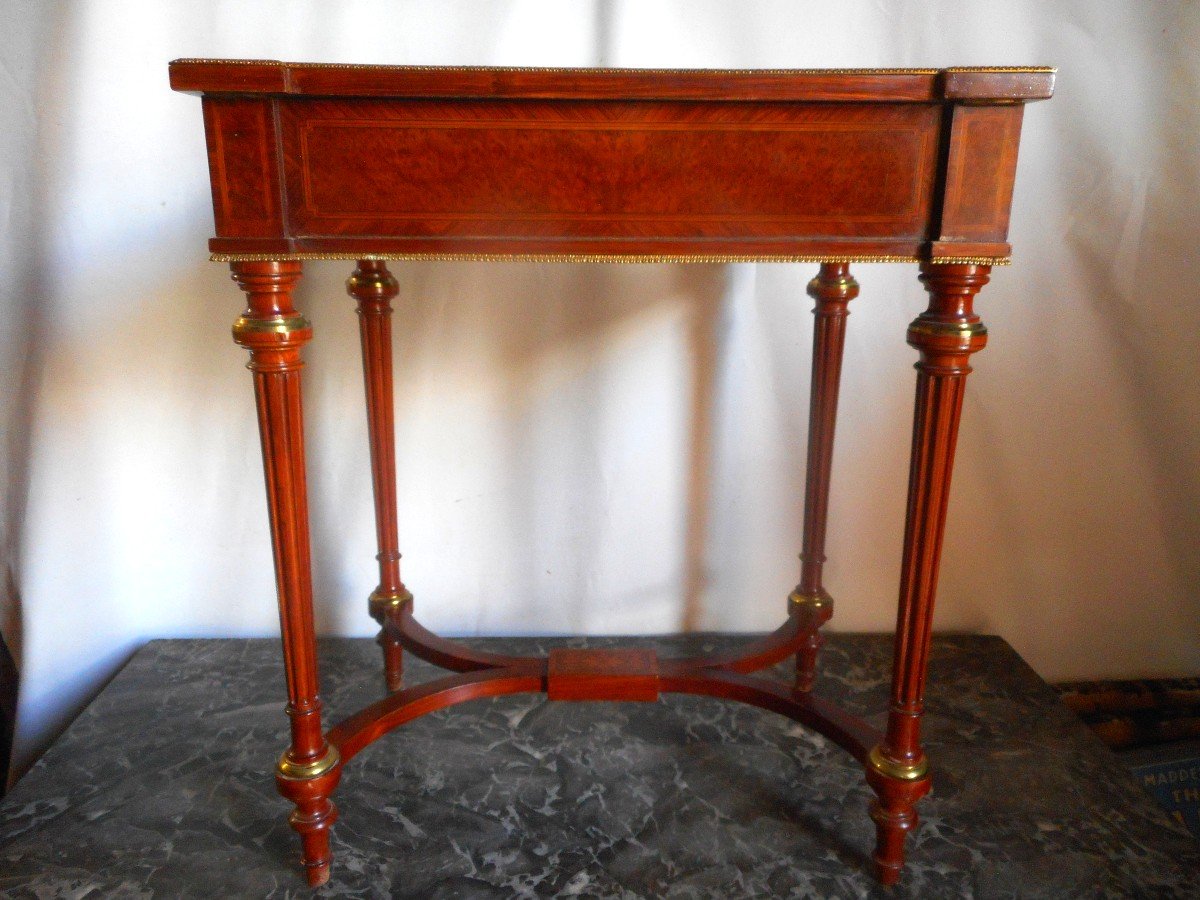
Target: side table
point(370, 163)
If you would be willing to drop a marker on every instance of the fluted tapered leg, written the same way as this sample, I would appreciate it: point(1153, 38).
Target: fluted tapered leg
point(832, 289)
point(946, 335)
point(273, 332)
point(373, 286)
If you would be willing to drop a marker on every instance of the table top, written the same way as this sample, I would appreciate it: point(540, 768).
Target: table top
point(264, 76)
point(342, 161)
point(162, 786)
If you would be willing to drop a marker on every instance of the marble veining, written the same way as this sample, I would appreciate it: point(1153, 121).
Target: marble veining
point(163, 787)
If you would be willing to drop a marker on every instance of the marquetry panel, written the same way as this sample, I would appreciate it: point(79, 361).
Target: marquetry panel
point(244, 167)
point(536, 169)
point(980, 171)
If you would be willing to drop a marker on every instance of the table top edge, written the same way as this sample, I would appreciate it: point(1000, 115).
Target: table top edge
point(276, 77)
point(304, 256)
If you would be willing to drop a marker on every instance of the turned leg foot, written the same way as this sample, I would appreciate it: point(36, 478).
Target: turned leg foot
point(312, 819)
point(314, 812)
point(894, 812)
point(806, 661)
point(813, 610)
point(384, 608)
point(393, 660)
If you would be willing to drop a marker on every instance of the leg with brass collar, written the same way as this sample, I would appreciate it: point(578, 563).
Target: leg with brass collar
point(273, 332)
point(946, 335)
point(373, 286)
point(832, 289)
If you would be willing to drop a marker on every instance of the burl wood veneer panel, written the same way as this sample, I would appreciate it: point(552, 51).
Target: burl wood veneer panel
point(980, 172)
point(244, 166)
point(611, 170)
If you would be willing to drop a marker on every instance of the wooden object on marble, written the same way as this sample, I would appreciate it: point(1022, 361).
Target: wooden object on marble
point(373, 162)
point(273, 331)
point(616, 674)
point(945, 335)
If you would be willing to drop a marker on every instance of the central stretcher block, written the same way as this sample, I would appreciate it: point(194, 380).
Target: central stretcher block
point(614, 674)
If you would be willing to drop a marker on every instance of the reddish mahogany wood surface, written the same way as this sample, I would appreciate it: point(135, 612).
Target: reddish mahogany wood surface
point(946, 335)
point(452, 655)
point(848, 732)
point(769, 650)
point(394, 161)
point(373, 286)
point(446, 170)
point(355, 733)
point(371, 723)
point(447, 654)
point(622, 673)
point(209, 76)
point(832, 289)
point(371, 161)
point(273, 332)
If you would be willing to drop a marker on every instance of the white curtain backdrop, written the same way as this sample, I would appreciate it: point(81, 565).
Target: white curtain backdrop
point(596, 449)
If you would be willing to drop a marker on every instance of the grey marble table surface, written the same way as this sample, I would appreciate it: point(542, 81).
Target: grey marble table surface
point(163, 788)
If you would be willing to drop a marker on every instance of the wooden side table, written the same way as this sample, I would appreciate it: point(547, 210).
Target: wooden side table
point(371, 163)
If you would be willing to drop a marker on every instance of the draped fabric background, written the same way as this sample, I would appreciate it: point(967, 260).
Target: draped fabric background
point(593, 449)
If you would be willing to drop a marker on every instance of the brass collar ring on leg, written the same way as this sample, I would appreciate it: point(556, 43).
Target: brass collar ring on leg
point(382, 605)
point(892, 769)
point(292, 770)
